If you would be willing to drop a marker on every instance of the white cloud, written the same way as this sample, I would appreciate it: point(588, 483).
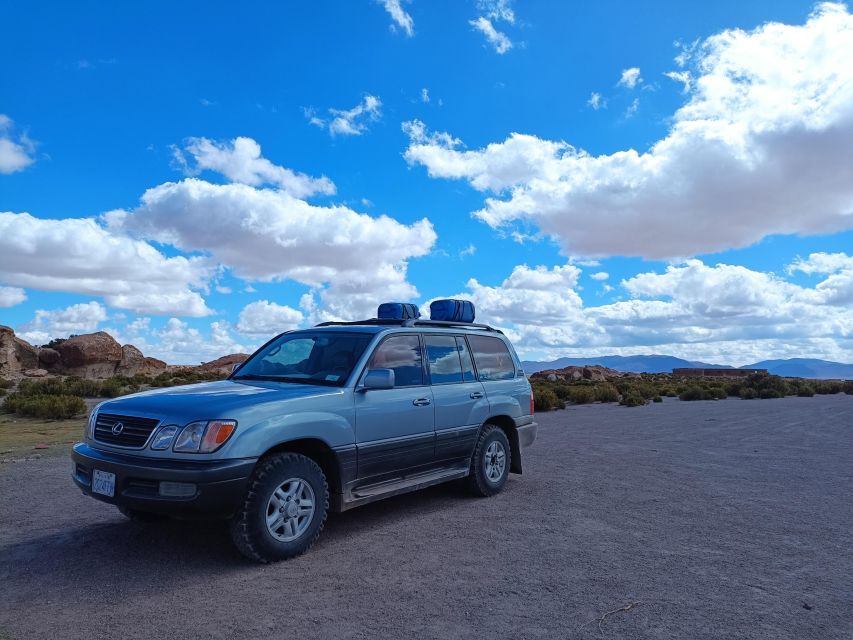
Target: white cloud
point(470, 250)
point(596, 101)
point(60, 323)
point(10, 296)
point(762, 146)
point(401, 19)
point(78, 255)
point(179, 343)
point(632, 108)
point(240, 161)
point(630, 77)
point(264, 318)
point(684, 77)
point(600, 275)
point(500, 10)
point(16, 149)
point(424, 95)
point(499, 40)
point(349, 122)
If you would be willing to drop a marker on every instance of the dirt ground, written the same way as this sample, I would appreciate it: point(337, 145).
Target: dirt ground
point(727, 519)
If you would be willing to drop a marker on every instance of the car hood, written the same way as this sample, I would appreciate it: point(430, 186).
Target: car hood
point(226, 399)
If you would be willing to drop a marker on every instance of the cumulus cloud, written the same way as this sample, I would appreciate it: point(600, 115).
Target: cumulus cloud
point(240, 160)
point(10, 296)
point(721, 312)
point(401, 19)
point(349, 122)
point(499, 40)
point(60, 323)
point(179, 343)
point(16, 149)
point(78, 255)
point(265, 318)
point(761, 146)
point(596, 101)
point(600, 275)
point(630, 77)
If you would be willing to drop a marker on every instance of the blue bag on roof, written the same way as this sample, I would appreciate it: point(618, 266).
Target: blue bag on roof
point(398, 311)
point(452, 310)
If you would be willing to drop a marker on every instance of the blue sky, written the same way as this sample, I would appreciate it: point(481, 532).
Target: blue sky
point(716, 241)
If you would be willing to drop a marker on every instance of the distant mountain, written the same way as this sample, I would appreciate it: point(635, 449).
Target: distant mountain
point(806, 368)
point(795, 367)
point(633, 364)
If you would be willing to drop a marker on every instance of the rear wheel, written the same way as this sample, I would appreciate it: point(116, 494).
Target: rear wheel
point(284, 510)
point(490, 463)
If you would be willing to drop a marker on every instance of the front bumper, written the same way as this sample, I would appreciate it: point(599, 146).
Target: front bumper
point(220, 485)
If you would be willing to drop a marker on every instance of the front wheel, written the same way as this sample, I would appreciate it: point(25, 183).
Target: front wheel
point(490, 463)
point(284, 510)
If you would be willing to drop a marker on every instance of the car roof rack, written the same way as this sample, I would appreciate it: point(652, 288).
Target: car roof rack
point(411, 322)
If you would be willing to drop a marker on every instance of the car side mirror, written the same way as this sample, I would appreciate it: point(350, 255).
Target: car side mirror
point(379, 379)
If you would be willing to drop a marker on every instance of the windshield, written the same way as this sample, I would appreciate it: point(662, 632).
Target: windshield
point(310, 358)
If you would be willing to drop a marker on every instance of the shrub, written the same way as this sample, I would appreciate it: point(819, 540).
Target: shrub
point(848, 387)
point(719, 393)
point(657, 399)
point(805, 390)
point(694, 393)
point(582, 395)
point(632, 399)
point(828, 387)
point(6, 384)
point(544, 399)
point(44, 406)
point(748, 393)
point(769, 393)
point(563, 391)
point(606, 392)
point(82, 387)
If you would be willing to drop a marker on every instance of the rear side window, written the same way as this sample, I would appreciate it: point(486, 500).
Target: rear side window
point(492, 357)
point(403, 355)
point(443, 358)
point(467, 363)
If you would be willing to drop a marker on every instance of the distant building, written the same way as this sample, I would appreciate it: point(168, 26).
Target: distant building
point(715, 373)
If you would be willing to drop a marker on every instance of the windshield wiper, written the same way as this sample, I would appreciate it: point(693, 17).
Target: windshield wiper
point(254, 376)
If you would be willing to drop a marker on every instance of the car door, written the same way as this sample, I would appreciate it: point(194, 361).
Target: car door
point(460, 401)
point(394, 428)
point(506, 387)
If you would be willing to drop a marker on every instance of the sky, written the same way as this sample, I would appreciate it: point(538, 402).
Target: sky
point(597, 177)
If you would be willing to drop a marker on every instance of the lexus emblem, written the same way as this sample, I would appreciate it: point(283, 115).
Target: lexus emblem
point(118, 427)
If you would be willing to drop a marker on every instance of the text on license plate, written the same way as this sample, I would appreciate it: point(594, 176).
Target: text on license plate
point(104, 482)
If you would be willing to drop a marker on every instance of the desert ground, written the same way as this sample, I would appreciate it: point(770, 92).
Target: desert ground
point(712, 519)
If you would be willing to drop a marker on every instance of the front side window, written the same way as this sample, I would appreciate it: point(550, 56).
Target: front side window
point(402, 354)
point(443, 358)
point(325, 358)
point(492, 357)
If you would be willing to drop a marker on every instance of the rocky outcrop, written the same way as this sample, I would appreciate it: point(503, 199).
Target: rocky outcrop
point(16, 355)
point(49, 358)
point(593, 373)
point(224, 364)
point(133, 362)
point(35, 373)
point(92, 355)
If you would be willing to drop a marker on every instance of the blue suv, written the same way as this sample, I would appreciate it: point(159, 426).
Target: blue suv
point(327, 418)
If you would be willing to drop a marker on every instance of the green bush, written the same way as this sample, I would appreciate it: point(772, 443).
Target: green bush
point(805, 390)
point(657, 399)
point(769, 393)
point(828, 387)
point(695, 393)
point(582, 395)
point(748, 393)
point(6, 384)
point(82, 387)
point(606, 392)
point(44, 406)
point(632, 399)
point(544, 399)
point(848, 387)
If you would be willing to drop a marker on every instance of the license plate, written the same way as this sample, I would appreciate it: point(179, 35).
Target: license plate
point(104, 482)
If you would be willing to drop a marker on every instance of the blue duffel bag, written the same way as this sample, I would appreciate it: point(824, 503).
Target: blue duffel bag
point(398, 311)
point(452, 310)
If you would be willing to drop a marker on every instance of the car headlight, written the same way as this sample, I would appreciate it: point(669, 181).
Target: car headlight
point(204, 436)
point(163, 438)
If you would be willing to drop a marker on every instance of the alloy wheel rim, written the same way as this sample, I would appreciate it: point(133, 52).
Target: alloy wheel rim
point(290, 509)
point(494, 461)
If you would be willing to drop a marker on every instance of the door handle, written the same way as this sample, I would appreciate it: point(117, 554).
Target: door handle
point(421, 402)
point(476, 395)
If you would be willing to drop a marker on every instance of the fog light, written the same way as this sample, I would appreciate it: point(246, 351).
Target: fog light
point(177, 489)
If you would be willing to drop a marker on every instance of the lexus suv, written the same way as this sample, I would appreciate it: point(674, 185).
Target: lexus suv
point(327, 418)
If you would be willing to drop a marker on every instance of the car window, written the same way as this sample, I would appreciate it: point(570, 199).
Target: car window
point(443, 359)
point(403, 355)
point(492, 357)
point(467, 363)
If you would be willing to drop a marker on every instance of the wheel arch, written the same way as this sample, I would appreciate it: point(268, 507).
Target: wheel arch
point(507, 425)
point(320, 452)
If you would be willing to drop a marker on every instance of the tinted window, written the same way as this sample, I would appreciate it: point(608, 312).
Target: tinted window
point(443, 358)
point(467, 363)
point(492, 358)
point(313, 358)
point(403, 355)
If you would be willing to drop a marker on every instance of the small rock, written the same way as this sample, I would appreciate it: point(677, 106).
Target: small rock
point(41, 445)
point(807, 606)
point(35, 373)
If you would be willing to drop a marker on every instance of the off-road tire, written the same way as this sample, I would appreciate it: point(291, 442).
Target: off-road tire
point(478, 482)
point(248, 526)
point(135, 515)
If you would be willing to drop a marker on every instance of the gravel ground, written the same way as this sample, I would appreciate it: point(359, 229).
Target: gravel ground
point(720, 519)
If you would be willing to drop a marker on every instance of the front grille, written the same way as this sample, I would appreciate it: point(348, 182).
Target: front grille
point(134, 431)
